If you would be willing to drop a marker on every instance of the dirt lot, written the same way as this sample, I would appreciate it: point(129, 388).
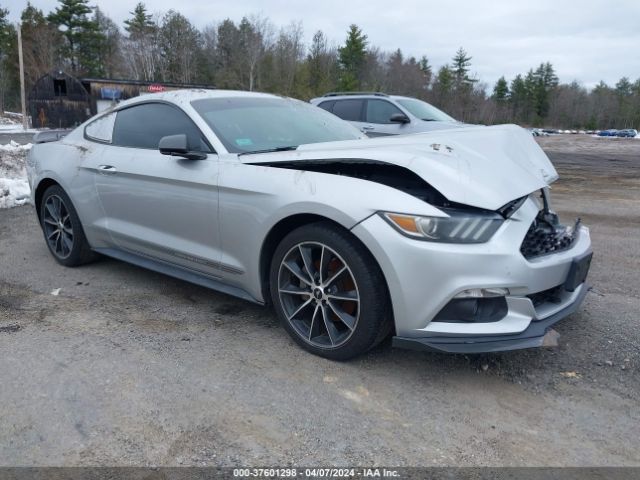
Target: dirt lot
point(128, 367)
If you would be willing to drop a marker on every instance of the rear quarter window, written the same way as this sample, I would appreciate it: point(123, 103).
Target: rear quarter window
point(328, 106)
point(350, 110)
point(101, 129)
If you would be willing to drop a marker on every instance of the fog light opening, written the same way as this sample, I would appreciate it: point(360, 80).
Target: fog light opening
point(483, 293)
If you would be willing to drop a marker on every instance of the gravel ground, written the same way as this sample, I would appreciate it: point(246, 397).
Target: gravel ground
point(122, 366)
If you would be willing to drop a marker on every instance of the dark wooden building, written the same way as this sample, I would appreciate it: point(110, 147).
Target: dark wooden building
point(59, 100)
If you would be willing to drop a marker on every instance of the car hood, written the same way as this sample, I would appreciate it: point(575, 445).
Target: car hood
point(482, 167)
point(430, 126)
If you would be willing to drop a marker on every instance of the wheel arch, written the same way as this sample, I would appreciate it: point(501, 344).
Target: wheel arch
point(290, 223)
point(39, 192)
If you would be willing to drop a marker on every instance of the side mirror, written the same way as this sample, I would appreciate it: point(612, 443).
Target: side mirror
point(399, 118)
point(178, 146)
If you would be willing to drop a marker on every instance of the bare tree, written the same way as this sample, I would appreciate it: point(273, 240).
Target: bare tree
point(288, 52)
point(40, 45)
point(256, 33)
point(141, 47)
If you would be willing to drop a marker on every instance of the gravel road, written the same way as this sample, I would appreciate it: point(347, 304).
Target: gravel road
point(110, 364)
point(16, 137)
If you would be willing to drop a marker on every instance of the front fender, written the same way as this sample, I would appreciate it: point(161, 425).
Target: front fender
point(254, 198)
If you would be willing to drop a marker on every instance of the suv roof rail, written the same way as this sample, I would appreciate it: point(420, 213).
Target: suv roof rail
point(337, 94)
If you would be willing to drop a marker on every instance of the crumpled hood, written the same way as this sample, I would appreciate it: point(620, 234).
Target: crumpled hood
point(484, 167)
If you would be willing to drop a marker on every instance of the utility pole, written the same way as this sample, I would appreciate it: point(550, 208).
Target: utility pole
point(25, 123)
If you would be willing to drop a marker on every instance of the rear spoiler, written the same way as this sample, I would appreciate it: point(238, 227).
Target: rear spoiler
point(47, 136)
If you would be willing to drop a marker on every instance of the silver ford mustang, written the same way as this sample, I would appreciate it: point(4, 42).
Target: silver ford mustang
point(445, 240)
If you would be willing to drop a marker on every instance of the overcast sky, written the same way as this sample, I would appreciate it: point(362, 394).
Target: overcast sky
point(586, 40)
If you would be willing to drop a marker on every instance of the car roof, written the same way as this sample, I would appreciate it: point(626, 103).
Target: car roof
point(186, 96)
point(359, 95)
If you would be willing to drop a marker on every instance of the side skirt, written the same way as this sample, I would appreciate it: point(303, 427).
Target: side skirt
point(176, 271)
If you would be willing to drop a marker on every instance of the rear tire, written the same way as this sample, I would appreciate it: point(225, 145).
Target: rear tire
point(329, 292)
point(63, 232)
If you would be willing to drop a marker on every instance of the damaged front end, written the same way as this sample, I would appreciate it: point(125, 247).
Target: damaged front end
point(546, 234)
point(383, 173)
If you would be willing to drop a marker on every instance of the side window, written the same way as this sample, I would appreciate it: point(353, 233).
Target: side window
point(348, 110)
point(328, 106)
point(380, 111)
point(101, 129)
point(142, 126)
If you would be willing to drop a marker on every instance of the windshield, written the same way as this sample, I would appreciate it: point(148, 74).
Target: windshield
point(254, 124)
point(424, 111)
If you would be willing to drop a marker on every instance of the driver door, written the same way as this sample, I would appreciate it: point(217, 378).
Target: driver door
point(159, 206)
point(377, 115)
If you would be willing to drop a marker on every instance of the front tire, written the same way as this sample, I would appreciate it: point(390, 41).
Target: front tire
point(329, 292)
point(62, 229)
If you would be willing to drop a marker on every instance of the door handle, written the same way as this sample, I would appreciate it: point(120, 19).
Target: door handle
point(367, 128)
point(107, 170)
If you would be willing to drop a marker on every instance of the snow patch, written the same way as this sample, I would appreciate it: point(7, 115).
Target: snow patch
point(14, 186)
point(14, 192)
point(14, 146)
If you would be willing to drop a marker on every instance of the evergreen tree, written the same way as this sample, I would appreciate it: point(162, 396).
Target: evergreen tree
point(549, 76)
point(540, 84)
point(229, 68)
point(179, 42)
point(352, 58)
point(82, 35)
point(442, 88)
point(518, 98)
point(501, 90)
point(32, 17)
point(624, 87)
point(4, 30)
point(8, 61)
point(460, 67)
point(140, 23)
point(427, 71)
point(321, 65)
point(445, 79)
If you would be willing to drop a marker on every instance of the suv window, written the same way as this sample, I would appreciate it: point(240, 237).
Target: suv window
point(328, 106)
point(349, 109)
point(142, 126)
point(380, 111)
point(101, 129)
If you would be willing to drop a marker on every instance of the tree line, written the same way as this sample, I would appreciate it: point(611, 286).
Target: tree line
point(254, 54)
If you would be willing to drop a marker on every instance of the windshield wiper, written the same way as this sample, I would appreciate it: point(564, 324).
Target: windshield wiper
point(270, 150)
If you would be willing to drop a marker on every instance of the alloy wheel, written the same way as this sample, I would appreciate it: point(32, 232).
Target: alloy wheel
point(57, 226)
point(318, 294)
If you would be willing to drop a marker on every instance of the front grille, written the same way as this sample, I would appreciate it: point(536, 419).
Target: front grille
point(546, 235)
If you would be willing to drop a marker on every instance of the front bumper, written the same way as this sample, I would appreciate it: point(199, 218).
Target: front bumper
point(536, 335)
point(423, 277)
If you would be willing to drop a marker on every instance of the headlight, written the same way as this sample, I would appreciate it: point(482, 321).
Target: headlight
point(459, 227)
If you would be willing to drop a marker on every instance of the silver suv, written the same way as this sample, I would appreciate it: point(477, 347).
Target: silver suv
point(378, 114)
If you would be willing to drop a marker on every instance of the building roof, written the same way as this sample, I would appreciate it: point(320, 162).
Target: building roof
point(119, 81)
